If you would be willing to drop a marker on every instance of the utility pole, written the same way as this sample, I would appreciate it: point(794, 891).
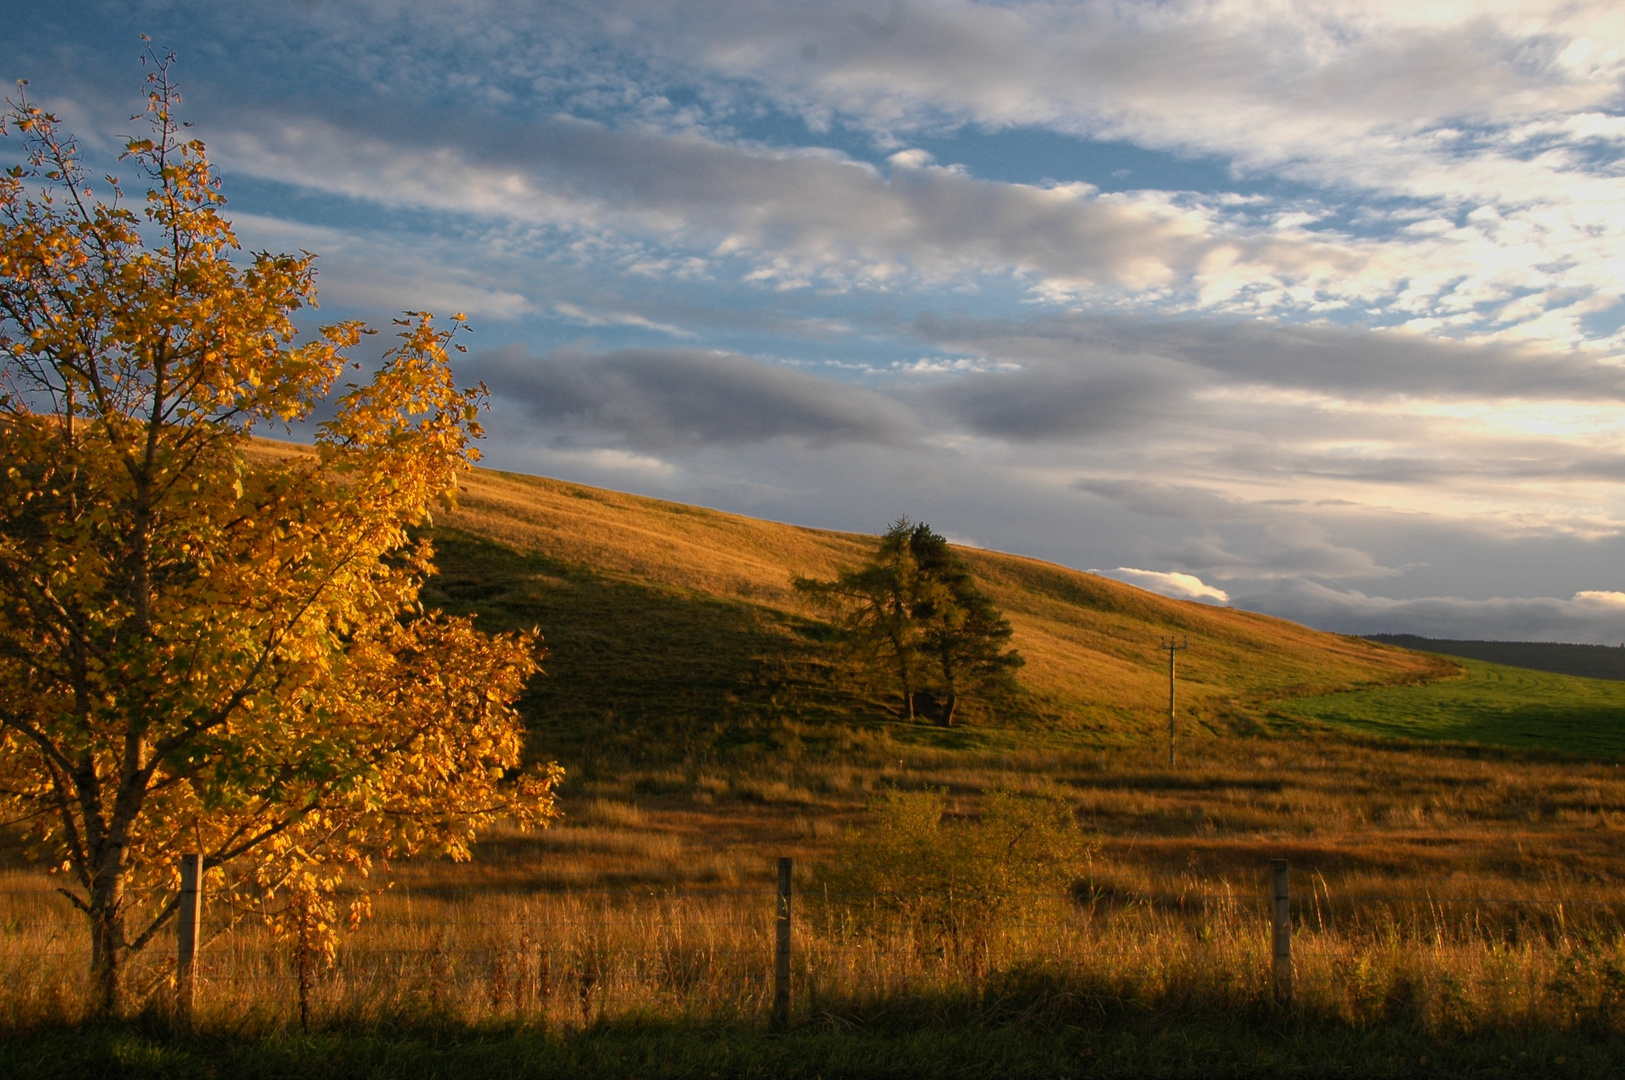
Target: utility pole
point(1172, 645)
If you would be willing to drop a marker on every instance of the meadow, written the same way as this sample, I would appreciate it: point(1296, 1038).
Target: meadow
point(1450, 902)
point(1456, 903)
point(1492, 704)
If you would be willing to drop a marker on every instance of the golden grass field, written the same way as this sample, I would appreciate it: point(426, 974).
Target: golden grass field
point(1090, 642)
point(707, 730)
point(1455, 891)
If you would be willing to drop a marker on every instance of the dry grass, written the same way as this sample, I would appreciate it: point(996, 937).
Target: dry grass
point(1442, 889)
point(1092, 665)
point(1457, 892)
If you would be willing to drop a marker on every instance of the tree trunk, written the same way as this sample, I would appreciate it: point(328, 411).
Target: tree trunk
point(948, 708)
point(108, 945)
point(106, 956)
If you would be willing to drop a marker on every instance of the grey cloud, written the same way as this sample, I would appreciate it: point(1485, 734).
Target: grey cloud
point(1049, 404)
point(1353, 361)
point(1588, 619)
point(1324, 358)
point(1249, 541)
point(814, 211)
point(1282, 548)
point(1180, 501)
point(677, 398)
point(1084, 375)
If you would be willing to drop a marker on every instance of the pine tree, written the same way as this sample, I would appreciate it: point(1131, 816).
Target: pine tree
point(914, 612)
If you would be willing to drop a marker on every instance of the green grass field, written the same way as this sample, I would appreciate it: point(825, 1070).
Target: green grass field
point(1492, 704)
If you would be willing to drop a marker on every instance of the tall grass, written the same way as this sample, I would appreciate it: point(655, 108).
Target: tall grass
point(1442, 890)
point(1180, 948)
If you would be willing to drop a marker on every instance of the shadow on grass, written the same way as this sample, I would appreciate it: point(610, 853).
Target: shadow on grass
point(643, 675)
point(814, 1049)
point(640, 674)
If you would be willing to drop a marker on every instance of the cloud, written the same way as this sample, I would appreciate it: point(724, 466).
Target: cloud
point(1170, 583)
point(805, 217)
point(797, 214)
point(1290, 547)
point(1589, 617)
point(379, 272)
point(1182, 501)
point(1488, 125)
point(1453, 168)
point(1319, 357)
point(575, 313)
point(1070, 405)
point(664, 399)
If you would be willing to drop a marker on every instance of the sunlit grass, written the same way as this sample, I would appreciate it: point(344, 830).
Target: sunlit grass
point(1450, 892)
point(1444, 890)
point(1492, 704)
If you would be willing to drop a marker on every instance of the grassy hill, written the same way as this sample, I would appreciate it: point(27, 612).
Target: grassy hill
point(673, 631)
point(1494, 704)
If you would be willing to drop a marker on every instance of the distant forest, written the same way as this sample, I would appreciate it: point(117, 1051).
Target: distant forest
point(1590, 661)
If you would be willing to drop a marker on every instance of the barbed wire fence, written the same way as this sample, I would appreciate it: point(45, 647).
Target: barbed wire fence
point(759, 950)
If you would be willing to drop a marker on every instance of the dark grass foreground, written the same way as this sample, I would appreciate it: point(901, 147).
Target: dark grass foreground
point(620, 1051)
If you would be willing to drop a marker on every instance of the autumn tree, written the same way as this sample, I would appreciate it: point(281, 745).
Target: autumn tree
point(913, 611)
point(208, 645)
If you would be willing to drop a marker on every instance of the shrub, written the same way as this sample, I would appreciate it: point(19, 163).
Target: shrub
point(954, 883)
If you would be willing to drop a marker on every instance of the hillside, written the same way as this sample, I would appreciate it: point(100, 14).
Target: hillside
point(1586, 661)
point(1493, 704)
point(673, 628)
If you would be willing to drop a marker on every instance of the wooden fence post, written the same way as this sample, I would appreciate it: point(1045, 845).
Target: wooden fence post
point(781, 957)
point(1281, 930)
point(188, 923)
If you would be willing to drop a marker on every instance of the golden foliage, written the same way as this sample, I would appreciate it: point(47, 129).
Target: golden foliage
point(199, 652)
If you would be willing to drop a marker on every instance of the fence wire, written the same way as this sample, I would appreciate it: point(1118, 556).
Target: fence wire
point(571, 955)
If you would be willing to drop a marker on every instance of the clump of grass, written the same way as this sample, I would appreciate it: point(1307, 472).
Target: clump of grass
point(612, 812)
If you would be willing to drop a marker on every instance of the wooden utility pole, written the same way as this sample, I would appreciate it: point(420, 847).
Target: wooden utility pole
point(1172, 646)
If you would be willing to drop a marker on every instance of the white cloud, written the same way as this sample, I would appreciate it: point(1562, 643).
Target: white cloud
point(796, 218)
point(1170, 583)
point(606, 459)
point(575, 313)
point(1436, 103)
point(381, 273)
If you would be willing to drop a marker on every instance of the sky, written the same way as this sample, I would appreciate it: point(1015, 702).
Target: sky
point(1315, 309)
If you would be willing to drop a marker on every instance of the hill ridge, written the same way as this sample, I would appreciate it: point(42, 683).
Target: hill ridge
point(1093, 668)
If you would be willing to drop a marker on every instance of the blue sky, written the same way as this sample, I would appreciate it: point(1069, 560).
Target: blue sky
point(1310, 308)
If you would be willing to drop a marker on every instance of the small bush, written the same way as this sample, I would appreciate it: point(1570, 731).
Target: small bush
point(953, 884)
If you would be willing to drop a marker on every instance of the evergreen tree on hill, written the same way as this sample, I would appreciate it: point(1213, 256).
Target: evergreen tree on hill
point(913, 611)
